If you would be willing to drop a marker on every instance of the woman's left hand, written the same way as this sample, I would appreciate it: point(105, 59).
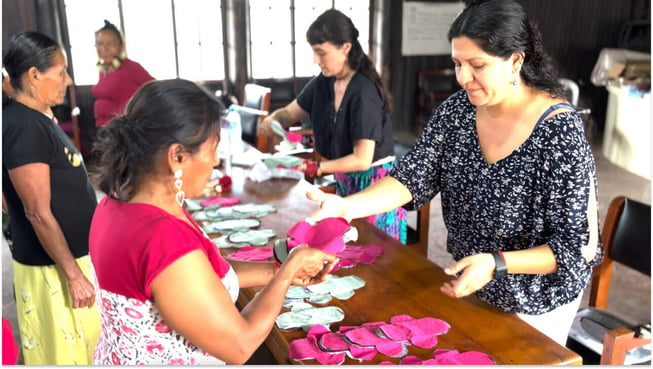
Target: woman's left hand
point(477, 271)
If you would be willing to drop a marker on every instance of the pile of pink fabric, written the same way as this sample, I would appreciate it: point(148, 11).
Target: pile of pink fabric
point(390, 339)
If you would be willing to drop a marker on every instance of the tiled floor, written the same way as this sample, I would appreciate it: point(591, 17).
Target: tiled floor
point(630, 295)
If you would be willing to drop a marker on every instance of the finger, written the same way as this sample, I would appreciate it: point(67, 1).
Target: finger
point(316, 194)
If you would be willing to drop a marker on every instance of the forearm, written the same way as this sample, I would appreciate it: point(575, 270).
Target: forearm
point(283, 116)
point(346, 164)
point(54, 243)
point(252, 274)
point(382, 196)
point(538, 260)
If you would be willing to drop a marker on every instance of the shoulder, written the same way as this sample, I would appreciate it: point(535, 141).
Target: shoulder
point(362, 83)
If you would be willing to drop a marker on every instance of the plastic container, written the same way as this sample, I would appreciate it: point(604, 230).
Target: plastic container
point(231, 142)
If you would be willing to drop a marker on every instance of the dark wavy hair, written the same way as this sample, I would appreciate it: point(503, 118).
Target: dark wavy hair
point(160, 113)
point(336, 28)
point(501, 28)
point(108, 26)
point(26, 50)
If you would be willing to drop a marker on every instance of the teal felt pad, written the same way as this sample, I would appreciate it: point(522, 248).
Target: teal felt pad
point(231, 224)
point(254, 210)
point(253, 237)
point(193, 205)
point(284, 161)
point(305, 317)
point(223, 242)
point(337, 285)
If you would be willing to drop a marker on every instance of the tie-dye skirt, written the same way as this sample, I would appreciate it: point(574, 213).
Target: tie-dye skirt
point(394, 221)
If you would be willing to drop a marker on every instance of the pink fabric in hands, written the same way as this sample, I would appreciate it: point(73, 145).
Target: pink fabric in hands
point(223, 201)
point(308, 348)
point(365, 254)
point(423, 331)
point(325, 235)
point(251, 253)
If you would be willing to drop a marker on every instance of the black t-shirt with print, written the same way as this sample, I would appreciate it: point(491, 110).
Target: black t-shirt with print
point(29, 136)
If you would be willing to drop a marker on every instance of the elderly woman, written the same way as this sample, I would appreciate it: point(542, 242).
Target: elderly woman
point(50, 202)
point(516, 175)
point(167, 294)
point(119, 77)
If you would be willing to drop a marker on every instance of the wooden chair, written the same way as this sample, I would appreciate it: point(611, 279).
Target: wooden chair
point(626, 238)
point(256, 97)
point(434, 86)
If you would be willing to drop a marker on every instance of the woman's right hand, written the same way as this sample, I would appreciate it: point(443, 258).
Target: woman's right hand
point(265, 126)
point(308, 265)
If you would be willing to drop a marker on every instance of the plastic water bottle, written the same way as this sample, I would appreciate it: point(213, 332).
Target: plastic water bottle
point(231, 142)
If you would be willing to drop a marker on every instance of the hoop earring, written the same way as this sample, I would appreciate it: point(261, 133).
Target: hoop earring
point(179, 196)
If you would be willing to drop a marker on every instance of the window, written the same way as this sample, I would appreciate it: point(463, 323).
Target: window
point(168, 38)
point(278, 34)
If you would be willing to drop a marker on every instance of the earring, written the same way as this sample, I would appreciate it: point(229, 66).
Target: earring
point(179, 196)
point(514, 79)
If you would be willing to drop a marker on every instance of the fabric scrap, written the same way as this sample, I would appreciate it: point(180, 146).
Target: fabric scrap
point(251, 253)
point(223, 201)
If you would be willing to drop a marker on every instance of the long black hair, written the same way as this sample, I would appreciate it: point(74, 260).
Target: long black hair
point(501, 28)
point(335, 27)
point(26, 50)
point(160, 113)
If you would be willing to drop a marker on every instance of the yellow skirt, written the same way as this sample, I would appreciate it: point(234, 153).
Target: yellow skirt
point(51, 331)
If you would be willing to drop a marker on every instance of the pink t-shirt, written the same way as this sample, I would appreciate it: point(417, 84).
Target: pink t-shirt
point(113, 91)
point(130, 244)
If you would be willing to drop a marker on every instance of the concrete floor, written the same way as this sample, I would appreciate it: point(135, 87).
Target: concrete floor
point(630, 295)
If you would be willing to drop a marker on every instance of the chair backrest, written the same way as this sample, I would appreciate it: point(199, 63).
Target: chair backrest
point(434, 86)
point(571, 90)
point(256, 97)
point(626, 238)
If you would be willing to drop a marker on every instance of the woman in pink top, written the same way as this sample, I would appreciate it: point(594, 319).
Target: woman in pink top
point(166, 295)
point(120, 77)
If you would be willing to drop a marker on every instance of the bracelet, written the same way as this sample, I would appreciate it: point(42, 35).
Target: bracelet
point(500, 269)
point(275, 267)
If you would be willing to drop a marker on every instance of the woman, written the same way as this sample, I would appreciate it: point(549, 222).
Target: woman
point(50, 202)
point(119, 78)
point(167, 296)
point(515, 173)
point(350, 115)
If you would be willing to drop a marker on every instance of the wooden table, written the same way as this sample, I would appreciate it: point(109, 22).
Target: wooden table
point(401, 281)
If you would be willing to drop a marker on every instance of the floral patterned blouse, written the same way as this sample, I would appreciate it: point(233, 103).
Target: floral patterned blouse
point(539, 194)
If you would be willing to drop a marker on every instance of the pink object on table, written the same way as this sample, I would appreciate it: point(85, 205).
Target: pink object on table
point(293, 137)
point(251, 253)
point(223, 201)
point(308, 348)
point(325, 235)
point(423, 332)
point(366, 336)
point(365, 254)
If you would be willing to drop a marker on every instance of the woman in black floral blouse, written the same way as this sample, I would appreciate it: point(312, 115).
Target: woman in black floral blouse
point(514, 170)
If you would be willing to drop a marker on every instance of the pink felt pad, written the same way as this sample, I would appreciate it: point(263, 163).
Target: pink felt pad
point(367, 337)
point(423, 331)
point(293, 137)
point(363, 254)
point(453, 357)
point(223, 201)
point(307, 348)
point(251, 253)
point(325, 235)
point(334, 342)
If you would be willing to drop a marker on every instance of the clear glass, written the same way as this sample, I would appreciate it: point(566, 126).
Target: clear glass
point(199, 39)
point(270, 30)
point(149, 36)
point(84, 18)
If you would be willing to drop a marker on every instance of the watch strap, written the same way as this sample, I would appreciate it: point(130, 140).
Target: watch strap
point(500, 269)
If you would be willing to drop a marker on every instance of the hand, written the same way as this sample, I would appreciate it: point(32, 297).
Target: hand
point(311, 168)
point(81, 291)
point(265, 126)
point(477, 271)
point(330, 206)
point(312, 265)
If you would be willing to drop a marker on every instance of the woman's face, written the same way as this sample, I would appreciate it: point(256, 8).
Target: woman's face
point(199, 168)
point(54, 81)
point(486, 78)
point(107, 45)
point(331, 59)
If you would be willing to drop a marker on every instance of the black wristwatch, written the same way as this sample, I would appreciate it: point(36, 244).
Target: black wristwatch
point(500, 270)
